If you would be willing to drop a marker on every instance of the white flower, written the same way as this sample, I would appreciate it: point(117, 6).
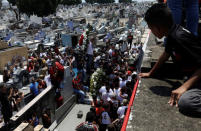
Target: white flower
point(95, 83)
point(95, 73)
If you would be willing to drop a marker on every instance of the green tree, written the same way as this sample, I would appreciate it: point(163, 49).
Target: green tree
point(13, 2)
point(91, 1)
point(105, 1)
point(125, 1)
point(0, 3)
point(38, 7)
point(71, 2)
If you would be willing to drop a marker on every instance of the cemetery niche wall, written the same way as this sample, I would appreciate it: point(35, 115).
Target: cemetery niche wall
point(8, 55)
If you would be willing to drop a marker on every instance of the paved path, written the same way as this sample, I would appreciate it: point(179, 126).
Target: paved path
point(71, 121)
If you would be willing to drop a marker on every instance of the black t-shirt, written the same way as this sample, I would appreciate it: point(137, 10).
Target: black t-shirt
point(6, 108)
point(184, 48)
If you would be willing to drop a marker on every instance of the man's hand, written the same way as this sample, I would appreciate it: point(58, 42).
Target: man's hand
point(145, 75)
point(158, 64)
point(176, 94)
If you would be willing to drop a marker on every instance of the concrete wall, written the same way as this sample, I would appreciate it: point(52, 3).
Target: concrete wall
point(46, 99)
point(3, 45)
point(8, 54)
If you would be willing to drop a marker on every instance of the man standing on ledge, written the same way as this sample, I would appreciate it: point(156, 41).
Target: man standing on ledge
point(184, 48)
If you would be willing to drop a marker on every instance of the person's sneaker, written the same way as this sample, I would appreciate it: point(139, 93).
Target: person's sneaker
point(87, 101)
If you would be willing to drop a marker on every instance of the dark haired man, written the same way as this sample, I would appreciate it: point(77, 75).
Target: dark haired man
point(6, 107)
point(89, 124)
point(184, 48)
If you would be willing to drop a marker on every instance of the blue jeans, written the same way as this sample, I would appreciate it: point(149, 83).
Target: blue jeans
point(89, 63)
point(81, 92)
point(83, 75)
point(75, 71)
point(192, 13)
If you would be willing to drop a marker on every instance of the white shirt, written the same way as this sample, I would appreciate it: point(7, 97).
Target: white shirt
point(122, 83)
point(117, 46)
point(118, 67)
point(124, 47)
point(106, 97)
point(47, 80)
point(134, 48)
point(43, 54)
point(90, 49)
point(103, 90)
point(129, 78)
point(62, 61)
point(121, 111)
point(106, 118)
point(110, 52)
point(120, 98)
point(49, 62)
point(97, 58)
point(117, 91)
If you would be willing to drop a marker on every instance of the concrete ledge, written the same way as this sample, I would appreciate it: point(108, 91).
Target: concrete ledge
point(151, 111)
point(30, 104)
point(39, 128)
point(24, 127)
point(62, 111)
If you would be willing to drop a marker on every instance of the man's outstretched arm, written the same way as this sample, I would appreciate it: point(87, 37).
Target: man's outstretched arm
point(176, 94)
point(164, 57)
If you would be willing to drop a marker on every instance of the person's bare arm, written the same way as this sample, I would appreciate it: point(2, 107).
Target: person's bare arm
point(176, 94)
point(10, 93)
point(164, 57)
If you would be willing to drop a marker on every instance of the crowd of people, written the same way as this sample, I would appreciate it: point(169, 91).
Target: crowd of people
point(11, 99)
point(110, 101)
point(46, 67)
point(117, 63)
point(49, 65)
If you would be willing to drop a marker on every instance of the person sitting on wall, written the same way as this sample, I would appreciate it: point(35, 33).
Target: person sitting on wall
point(46, 118)
point(34, 121)
point(34, 88)
point(79, 88)
point(41, 85)
point(184, 48)
point(56, 72)
point(6, 107)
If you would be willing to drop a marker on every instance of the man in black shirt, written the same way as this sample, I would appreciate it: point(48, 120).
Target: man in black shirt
point(185, 50)
point(6, 108)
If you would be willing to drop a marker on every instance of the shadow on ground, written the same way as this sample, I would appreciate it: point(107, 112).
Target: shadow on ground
point(161, 90)
point(165, 90)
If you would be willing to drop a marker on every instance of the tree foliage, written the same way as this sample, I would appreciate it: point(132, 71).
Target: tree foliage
point(125, 1)
point(100, 1)
point(0, 3)
point(13, 2)
point(105, 1)
point(91, 1)
point(71, 2)
point(37, 7)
